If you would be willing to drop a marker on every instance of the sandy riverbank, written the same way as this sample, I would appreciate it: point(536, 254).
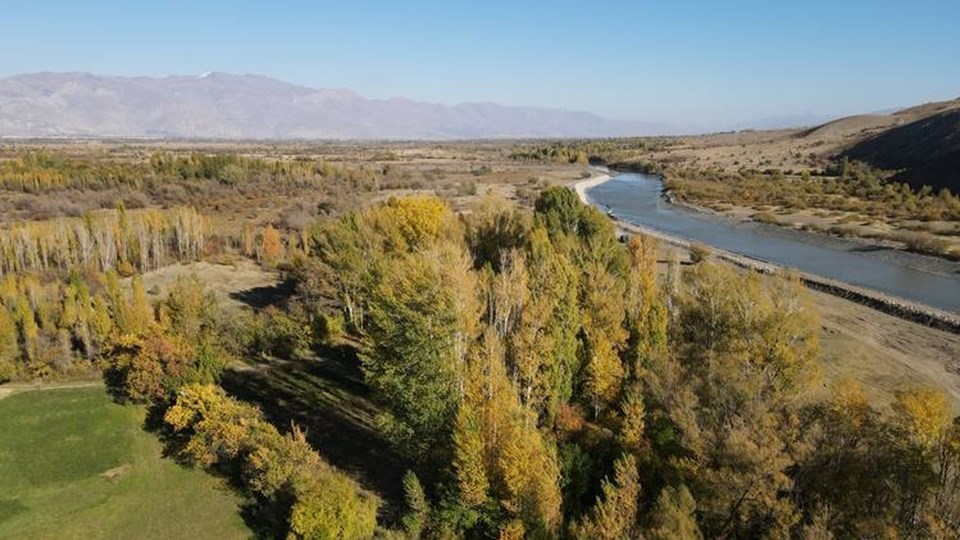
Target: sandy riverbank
point(582, 186)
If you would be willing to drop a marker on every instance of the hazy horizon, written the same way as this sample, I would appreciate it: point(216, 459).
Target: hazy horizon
point(698, 65)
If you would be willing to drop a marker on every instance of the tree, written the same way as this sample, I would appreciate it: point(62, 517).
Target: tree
point(550, 324)
point(646, 310)
point(494, 227)
point(561, 210)
point(745, 353)
point(604, 335)
point(614, 516)
point(140, 314)
point(421, 316)
point(521, 470)
point(634, 421)
point(925, 414)
point(151, 367)
point(271, 245)
point(417, 516)
point(9, 352)
point(469, 457)
point(674, 515)
point(191, 310)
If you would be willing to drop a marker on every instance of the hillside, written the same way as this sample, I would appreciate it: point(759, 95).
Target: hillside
point(225, 106)
point(925, 150)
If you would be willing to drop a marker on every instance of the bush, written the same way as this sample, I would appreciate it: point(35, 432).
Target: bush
point(924, 243)
point(765, 217)
point(279, 334)
point(330, 328)
point(844, 230)
point(699, 252)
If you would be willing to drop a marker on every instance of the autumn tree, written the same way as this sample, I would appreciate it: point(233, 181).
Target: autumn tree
point(271, 245)
point(499, 451)
point(745, 353)
point(633, 422)
point(646, 311)
point(604, 335)
point(9, 351)
point(614, 516)
point(674, 515)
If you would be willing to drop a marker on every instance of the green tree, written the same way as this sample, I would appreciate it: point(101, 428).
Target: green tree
point(421, 317)
point(417, 515)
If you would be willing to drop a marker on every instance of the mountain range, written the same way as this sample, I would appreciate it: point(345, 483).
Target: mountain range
point(227, 106)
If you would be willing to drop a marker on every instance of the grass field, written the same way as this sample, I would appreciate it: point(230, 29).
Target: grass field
point(73, 464)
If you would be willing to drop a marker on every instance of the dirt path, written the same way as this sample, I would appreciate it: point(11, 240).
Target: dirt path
point(15, 388)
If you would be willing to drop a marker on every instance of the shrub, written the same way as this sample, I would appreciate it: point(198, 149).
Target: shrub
point(330, 328)
point(699, 252)
point(924, 243)
point(844, 230)
point(765, 217)
point(279, 334)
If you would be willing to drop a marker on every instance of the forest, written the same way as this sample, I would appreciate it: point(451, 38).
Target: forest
point(532, 373)
point(539, 375)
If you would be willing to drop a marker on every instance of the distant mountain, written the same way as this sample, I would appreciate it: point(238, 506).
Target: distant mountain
point(225, 106)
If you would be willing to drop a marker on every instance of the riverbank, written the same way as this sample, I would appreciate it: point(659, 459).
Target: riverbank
point(582, 186)
point(899, 307)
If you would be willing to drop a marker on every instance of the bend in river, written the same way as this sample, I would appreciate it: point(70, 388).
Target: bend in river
point(637, 198)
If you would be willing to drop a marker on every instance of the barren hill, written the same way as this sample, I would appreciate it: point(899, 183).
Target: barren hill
point(925, 148)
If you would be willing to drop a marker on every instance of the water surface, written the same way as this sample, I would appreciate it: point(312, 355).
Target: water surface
point(636, 198)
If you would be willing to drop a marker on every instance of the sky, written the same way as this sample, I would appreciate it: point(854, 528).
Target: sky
point(692, 63)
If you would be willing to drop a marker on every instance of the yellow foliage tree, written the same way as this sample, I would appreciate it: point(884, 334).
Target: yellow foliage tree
point(925, 413)
point(271, 245)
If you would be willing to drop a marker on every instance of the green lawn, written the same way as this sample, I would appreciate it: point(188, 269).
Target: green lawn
point(73, 464)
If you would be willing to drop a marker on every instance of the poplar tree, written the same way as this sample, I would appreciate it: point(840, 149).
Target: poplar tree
point(604, 335)
point(9, 351)
point(140, 313)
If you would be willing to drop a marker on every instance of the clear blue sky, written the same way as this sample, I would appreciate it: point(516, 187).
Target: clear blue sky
point(685, 62)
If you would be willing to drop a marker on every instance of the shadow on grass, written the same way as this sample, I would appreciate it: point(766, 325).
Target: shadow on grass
point(266, 518)
point(262, 297)
point(326, 397)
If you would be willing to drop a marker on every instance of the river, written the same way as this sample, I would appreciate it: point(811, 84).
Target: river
point(637, 198)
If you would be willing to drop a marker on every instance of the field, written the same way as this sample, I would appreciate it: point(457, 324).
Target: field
point(76, 465)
